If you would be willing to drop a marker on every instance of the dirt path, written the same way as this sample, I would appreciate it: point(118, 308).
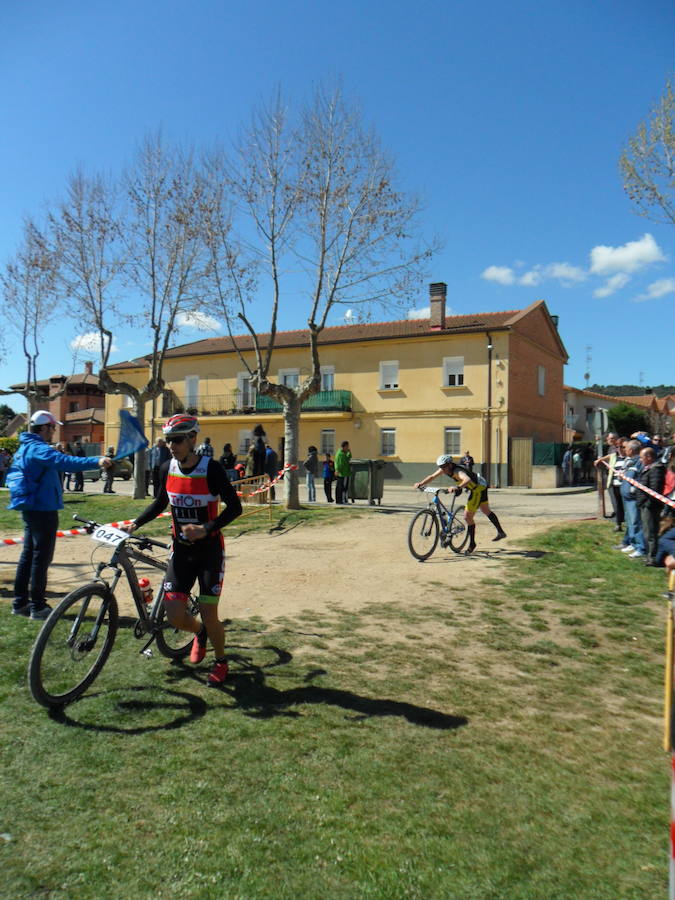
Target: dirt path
point(362, 560)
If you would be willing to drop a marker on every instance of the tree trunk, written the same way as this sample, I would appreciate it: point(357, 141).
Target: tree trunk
point(291, 407)
point(139, 456)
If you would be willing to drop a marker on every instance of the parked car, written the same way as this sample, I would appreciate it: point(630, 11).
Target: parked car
point(122, 468)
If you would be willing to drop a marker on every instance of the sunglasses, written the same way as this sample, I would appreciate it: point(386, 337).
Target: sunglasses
point(177, 439)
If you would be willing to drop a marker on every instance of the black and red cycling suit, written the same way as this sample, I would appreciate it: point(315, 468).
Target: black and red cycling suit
point(195, 494)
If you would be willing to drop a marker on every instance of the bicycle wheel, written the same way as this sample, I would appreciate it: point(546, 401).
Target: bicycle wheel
point(172, 642)
point(73, 645)
point(458, 533)
point(423, 534)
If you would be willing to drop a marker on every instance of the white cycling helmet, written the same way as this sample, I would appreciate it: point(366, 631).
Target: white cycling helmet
point(443, 460)
point(180, 424)
point(44, 417)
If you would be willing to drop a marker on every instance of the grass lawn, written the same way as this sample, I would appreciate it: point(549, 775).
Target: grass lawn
point(504, 743)
point(104, 509)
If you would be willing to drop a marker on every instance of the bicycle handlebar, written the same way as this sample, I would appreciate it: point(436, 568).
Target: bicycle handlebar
point(143, 541)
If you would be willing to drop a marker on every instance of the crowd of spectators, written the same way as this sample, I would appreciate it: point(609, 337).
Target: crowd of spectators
point(647, 523)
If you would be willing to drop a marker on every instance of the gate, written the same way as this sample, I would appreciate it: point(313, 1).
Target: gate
point(520, 463)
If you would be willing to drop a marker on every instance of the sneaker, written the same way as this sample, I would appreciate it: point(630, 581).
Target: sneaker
point(21, 610)
point(198, 651)
point(218, 674)
point(636, 554)
point(469, 550)
point(42, 613)
point(500, 536)
point(627, 548)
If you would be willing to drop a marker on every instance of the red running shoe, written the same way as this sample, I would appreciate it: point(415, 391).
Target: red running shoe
point(198, 651)
point(218, 674)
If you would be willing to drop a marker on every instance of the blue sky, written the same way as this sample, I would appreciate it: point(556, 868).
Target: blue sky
point(508, 119)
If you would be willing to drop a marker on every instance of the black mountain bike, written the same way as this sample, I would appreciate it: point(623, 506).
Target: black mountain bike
point(437, 521)
point(75, 641)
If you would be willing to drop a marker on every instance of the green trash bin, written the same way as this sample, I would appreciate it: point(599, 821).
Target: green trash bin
point(377, 480)
point(366, 480)
point(359, 479)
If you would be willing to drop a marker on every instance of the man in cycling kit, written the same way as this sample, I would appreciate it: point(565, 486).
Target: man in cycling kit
point(477, 487)
point(193, 485)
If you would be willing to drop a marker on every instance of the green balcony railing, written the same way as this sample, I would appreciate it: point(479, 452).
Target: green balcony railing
point(243, 403)
point(324, 401)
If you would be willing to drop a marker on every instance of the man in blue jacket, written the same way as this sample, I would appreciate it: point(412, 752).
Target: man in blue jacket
point(36, 490)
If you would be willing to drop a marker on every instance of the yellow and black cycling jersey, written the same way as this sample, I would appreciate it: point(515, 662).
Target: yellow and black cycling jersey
point(476, 486)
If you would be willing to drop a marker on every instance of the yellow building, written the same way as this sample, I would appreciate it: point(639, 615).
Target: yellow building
point(403, 391)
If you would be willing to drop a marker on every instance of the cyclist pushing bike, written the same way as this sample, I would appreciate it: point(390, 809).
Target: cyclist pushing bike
point(477, 487)
point(193, 485)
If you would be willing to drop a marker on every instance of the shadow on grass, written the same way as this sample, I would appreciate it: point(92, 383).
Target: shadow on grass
point(260, 700)
point(251, 693)
point(183, 707)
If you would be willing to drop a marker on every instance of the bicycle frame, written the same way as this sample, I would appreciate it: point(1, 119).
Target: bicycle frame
point(445, 516)
point(121, 563)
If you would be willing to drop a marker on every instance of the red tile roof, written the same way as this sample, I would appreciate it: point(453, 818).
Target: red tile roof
point(343, 334)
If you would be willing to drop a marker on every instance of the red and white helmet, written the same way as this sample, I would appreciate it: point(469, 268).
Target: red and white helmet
point(44, 417)
point(180, 424)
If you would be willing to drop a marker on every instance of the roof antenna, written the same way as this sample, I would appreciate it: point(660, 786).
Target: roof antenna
point(587, 375)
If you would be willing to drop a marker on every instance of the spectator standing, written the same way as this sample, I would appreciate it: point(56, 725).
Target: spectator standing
point(158, 456)
point(467, 461)
point(109, 477)
point(36, 490)
point(250, 462)
point(229, 459)
point(79, 477)
point(311, 465)
point(205, 448)
point(271, 467)
point(4, 465)
point(652, 475)
point(576, 467)
point(567, 466)
point(260, 450)
point(328, 477)
point(633, 541)
point(342, 473)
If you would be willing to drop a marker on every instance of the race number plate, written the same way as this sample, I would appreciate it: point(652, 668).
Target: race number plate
point(106, 534)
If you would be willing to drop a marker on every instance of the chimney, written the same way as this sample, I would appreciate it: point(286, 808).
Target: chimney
point(89, 367)
point(437, 293)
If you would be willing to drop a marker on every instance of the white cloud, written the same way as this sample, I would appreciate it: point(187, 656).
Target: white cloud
point(657, 289)
point(630, 257)
point(612, 285)
point(89, 343)
point(531, 278)
point(423, 313)
point(565, 272)
point(500, 274)
point(197, 321)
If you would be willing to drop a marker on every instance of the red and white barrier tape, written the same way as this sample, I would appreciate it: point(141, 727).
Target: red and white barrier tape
point(268, 484)
point(642, 487)
point(73, 532)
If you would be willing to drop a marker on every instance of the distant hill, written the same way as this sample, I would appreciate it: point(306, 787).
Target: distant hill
point(632, 390)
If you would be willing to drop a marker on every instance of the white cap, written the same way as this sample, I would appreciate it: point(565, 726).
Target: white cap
point(43, 417)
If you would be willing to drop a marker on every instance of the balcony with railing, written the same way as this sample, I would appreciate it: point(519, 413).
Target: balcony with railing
point(241, 403)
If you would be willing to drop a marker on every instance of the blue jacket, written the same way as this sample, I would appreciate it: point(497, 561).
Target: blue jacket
point(33, 479)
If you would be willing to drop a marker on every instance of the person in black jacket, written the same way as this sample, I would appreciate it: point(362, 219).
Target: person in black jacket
point(652, 475)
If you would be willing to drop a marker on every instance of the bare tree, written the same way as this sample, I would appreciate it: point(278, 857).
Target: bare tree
point(148, 240)
point(648, 162)
point(30, 293)
point(317, 217)
point(87, 243)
